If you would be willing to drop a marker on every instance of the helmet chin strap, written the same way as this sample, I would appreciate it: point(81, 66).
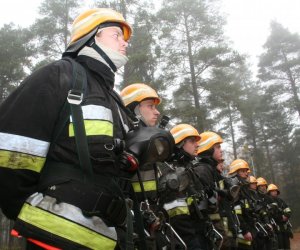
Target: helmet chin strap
point(93, 44)
point(139, 115)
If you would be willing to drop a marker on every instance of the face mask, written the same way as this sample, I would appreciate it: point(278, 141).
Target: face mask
point(118, 59)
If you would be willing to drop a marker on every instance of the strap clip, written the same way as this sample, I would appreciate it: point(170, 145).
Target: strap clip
point(75, 97)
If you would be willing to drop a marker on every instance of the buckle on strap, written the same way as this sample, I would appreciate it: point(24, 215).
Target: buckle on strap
point(75, 97)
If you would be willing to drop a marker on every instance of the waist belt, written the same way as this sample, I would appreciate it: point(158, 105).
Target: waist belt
point(65, 183)
point(90, 201)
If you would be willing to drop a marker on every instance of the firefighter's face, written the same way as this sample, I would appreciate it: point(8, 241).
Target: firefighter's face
point(263, 188)
point(191, 145)
point(274, 193)
point(218, 153)
point(243, 173)
point(253, 186)
point(113, 38)
point(149, 112)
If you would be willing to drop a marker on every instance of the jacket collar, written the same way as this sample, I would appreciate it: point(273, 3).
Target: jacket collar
point(100, 71)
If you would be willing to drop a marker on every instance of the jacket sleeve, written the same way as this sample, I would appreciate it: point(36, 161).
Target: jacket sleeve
point(27, 121)
point(286, 210)
point(240, 211)
point(204, 174)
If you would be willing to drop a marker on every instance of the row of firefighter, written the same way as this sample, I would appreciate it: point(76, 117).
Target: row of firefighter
point(189, 202)
point(84, 167)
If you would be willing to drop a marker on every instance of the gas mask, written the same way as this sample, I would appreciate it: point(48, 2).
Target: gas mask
point(147, 145)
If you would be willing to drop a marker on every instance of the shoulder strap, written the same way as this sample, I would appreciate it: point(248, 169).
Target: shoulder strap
point(75, 98)
point(72, 106)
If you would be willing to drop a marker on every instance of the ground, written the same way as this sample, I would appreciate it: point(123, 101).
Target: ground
point(295, 242)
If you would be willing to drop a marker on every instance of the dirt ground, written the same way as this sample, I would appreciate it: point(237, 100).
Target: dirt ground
point(295, 242)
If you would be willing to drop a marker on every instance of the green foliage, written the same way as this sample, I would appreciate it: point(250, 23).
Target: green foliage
point(15, 55)
point(192, 45)
point(52, 29)
point(279, 65)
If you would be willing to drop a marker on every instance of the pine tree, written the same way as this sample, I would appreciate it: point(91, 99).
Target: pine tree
point(15, 55)
point(191, 45)
point(52, 28)
point(280, 65)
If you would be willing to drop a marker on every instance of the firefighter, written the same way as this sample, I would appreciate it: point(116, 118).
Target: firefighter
point(174, 184)
point(282, 214)
point(142, 100)
point(252, 183)
point(228, 193)
point(240, 169)
point(64, 129)
point(209, 155)
point(270, 242)
point(260, 215)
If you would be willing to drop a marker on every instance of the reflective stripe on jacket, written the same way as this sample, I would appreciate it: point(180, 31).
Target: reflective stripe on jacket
point(65, 221)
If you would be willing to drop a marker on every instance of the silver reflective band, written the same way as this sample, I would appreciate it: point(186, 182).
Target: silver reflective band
point(96, 112)
point(204, 143)
point(23, 144)
point(176, 203)
point(74, 97)
point(72, 213)
point(182, 132)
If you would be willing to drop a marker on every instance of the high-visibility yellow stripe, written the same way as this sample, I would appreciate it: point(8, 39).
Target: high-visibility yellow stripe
point(221, 184)
point(178, 211)
point(15, 160)
point(65, 228)
point(214, 216)
point(189, 200)
point(94, 127)
point(244, 242)
point(238, 211)
point(247, 205)
point(148, 186)
point(287, 210)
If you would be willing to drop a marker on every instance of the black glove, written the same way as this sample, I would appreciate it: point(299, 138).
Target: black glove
point(116, 212)
point(223, 192)
point(128, 162)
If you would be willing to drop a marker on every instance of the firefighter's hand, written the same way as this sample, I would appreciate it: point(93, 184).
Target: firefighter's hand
point(284, 218)
point(128, 162)
point(117, 212)
point(270, 227)
point(248, 236)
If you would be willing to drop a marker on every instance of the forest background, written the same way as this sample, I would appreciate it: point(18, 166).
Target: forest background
point(179, 48)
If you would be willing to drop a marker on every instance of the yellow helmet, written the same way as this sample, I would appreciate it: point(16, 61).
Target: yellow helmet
point(137, 92)
point(261, 181)
point(87, 23)
point(272, 187)
point(237, 165)
point(182, 131)
point(252, 179)
point(208, 140)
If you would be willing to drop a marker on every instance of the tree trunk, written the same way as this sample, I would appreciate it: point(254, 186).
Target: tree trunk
point(66, 30)
point(256, 166)
point(269, 159)
point(1, 93)
point(200, 120)
point(292, 84)
point(232, 131)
